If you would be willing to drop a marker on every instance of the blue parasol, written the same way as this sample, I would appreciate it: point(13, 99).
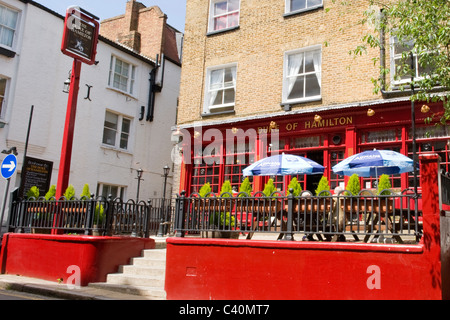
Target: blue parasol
point(373, 163)
point(283, 164)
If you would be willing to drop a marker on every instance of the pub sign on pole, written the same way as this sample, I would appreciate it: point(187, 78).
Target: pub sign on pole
point(80, 35)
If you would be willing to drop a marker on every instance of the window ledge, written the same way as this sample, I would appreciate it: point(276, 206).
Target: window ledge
point(297, 12)
point(122, 92)
point(287, 106)
point(211, 33)
point(7, 53)
point(212, 114)
point(111, 148)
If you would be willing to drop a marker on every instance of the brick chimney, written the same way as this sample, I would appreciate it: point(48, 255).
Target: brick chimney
point(131, 37)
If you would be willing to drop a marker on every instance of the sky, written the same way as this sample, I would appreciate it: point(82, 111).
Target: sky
point(174, 9)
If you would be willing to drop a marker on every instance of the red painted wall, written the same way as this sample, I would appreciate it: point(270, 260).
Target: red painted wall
point(48, 256)
point(261, 270)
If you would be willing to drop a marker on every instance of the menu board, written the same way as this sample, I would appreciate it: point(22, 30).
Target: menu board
point(35, 172)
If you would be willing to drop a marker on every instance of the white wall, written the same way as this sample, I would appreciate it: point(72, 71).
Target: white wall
point(40, 69)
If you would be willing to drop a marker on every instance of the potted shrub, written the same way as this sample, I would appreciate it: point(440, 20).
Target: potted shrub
point(353, 187)
point(323, 190)
point(85, 194)
point(384, 190)
point(225, 192)
point(204, 192)
point(224, 222)
point(50, 193)
point(296, 186)
point(272, 204)
point(70, 192)
point(99, 215)
point(246, 188)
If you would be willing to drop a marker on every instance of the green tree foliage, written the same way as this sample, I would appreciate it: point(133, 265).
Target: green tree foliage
point(269, 188)
point(422, 28)
point(294, 184)
point(33, 193)
point(50, 193)
point(354, 185)
point(204, 190)
point(323, 186)
point(70, 192)
point(246, 187)
point(85, 193)
point(384, 183)
point(226, 188)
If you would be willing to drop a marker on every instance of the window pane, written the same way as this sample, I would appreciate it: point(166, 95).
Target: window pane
point(312, 3)
point(2, 87)
point(233, 5)
point(229, 96)
point(220, 8)
point(298, 89)
point(220, 23)
point(124, 141)
point(233, 20)
point(109, 137)
point(312, 86)
point(111, 120)
point(126, 123)
point(219, 98)
point(298, 5)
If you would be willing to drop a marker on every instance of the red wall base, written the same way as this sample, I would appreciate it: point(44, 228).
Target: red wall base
point(268, 270)
point(53, 257)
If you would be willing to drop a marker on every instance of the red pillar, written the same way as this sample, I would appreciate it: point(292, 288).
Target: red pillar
point(66, 150)
point(429, 180)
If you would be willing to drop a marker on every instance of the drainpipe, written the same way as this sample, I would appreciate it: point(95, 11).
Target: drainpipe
point(155, 87)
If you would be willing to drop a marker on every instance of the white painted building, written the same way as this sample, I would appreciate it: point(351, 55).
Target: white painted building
point(111, 139)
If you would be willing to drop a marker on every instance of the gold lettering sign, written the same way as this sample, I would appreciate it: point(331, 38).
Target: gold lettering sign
point(330, 122)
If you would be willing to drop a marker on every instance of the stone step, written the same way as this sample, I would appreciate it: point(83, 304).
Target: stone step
point(136, 280)
point(147, 262)
point(153, 293)
point(151, 271)
point(154, 254)
point(144, 276)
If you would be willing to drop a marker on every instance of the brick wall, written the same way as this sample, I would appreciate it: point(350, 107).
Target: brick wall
point(258, 48)
point(140, 28)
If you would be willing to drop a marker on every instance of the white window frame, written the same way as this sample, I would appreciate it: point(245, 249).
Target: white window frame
point(14, 29)
point(288, 9)
point(118, 132)
point(121, 190)
point(395, 56)
point(212, 16)
point(286, 76)
point(3, 96)
point(130, 77)
point(210, 109)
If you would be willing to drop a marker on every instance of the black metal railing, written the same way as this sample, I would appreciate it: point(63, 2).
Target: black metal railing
point(339, 217)
point(90, 216)
point(445, 188)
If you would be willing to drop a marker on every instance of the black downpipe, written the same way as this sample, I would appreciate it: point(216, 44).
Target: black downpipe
point(154, 88)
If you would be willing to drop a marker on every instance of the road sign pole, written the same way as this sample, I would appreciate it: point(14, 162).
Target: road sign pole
point(5, 197)
point(67, 143)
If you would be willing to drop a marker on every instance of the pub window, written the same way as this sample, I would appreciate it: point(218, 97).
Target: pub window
point(238, 157)
point(122, 76)
point(221, 89)
point(380, 136)
point(302, 75)
point(223, 15)
point(206, 168)
point(116, 191)
point(8, 26)
point(116, 131)
point(2, 97)
point(294, 6)
point(306, 142)
point(398, 48)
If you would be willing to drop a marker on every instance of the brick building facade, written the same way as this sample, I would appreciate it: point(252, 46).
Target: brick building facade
point(274, 65)
point(145, 30)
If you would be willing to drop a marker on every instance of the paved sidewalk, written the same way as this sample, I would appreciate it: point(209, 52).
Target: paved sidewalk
point(61, 291)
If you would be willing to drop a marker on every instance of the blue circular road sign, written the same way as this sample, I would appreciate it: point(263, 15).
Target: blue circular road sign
point(9, 166)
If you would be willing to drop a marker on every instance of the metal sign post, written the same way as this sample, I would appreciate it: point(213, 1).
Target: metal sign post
point(80, 39)
point(8, 168)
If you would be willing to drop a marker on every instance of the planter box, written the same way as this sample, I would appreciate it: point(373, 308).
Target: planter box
point(48, 257)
